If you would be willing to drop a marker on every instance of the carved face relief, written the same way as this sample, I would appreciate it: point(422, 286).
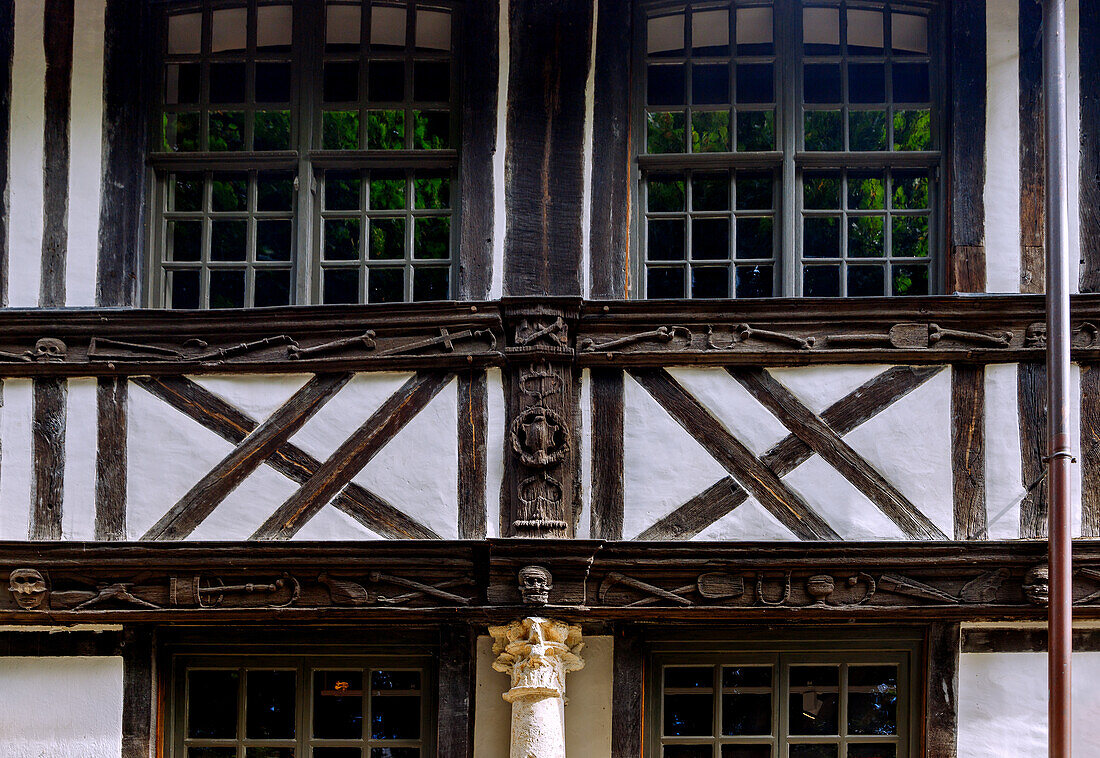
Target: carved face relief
point(28, 587)
point(535, 583)
point(1037, 584)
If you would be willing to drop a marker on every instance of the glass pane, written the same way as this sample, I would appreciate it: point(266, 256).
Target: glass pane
point(754, 31)
point(431, 81)
point(664, 283)
point(754, 192)
point(873, 700)
point(688, 751)
point(341, 81)
point(272, 130)
point(910, 236)
point(747, 676)
point(185, 192)
point(274, 240)
point(229, 192)
point(229, 30)
point(226, 289)
point(185, 34)
point(913, 130)
point(184, 289)
point(814, 699)
point(341, 286)
point(394, 717)
point(227, 130)
point(227, 82)
point(665, 85)
point(395, 752)
point(273, 82)
point(337, 752)
point(865, 32)
point(666, 240)
point(182, 132)
point(275, 191)
point(386, 81)
point(342, 25)
point(688, 715)
point(182, 83)
point(710, 32)
point(821, 83)
point(755, 83)
point(867, 130)
point(665, 193)
point(710, 132)
point(710, 83)
point(386, 130)
point(342, 239)
point(270, 705)
point(340, 130)
point(228, 240)
point(746, 751)
point(387, 190)
point(432, 237)
point(821, 237)
point(432, 191)
point(865, 237)
point(269, 752)
point(272, 288)
point(386, 285)
point(866, 192)
point(909, 33)
point(820, 191)
point(748, 715)
point(710, 238)
point(872, 751)
point(665, 132)
point(665, 35)
point(754, 281)
point(910, 280)
point(866, 82)
point(184, 240)
point(710, 281)
point(754, 238)
point(212, 752)
point(387, 26)
point(813, 751)
point(342, 190)
point(911, 83)
point(338, 695)
point(755, 130)
point(820, 281)
point(709, 192)
point(910, 190)
point(693, 676)
point(274, 27)
point(430, 284)
point(387, 238)
point(866, 281)
point(823, 130)
point(433, 30)
point(431, 130)
point(821, 31)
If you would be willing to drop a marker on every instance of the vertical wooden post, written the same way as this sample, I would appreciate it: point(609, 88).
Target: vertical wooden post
point(968, 450)
point(607, 453)
point(50, 397)
point(1031, 386)
point(1090, 450)
point(110, 462)
point(1032, 149)
point(58, 43)
point(138, 678)
point(472, 423)
point(7, 50)
point(941, 716)
point(457, 681)
point(1089, 44)
point(627, 694)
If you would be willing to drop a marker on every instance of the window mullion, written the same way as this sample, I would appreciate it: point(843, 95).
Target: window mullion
point(788, 24)
point(309, 27)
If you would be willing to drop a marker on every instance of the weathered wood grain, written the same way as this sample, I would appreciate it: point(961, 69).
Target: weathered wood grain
point(260, 444)
point(544, 164)
point(607, 454)
point(472, 454)
point(786, 455)
point(138, 691)
point(232, 425)
point(941, 693)
point(1017, 640)
point(457, 683)
point(1031, 381)
point(59, 643)
point(1032, 150)
point(760, 481)
point(966, 169)
point(1090, 450)
point(7, 50)
point(110, 461)
point(1089, 43)
point(50, 396)
point(58, 44)
point(352, 455)
point(626, 693)
point(968, 450)
point(837, 453)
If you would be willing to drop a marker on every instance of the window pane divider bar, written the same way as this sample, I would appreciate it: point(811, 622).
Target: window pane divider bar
point(241, 161)
point(877, 159)
point(351, 159)
point(769, 159)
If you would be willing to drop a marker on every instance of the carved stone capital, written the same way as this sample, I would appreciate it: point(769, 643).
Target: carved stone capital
point(537, 653)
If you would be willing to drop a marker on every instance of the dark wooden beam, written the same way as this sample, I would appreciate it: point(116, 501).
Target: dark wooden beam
point(609, 227)
point(59, 643)
point(1090, 450)
point(968, 450)
point(1089, 43)
point(291, 461)
point(125, 143)
point(472, 454)
point(941, 713)
point(50, 397)
point(480, 74)
point(1032, 150)
point(626, 693)
point(607, 453)
point(759, 480)
point(7, 50)
point(353, 454)
point(208, 493)
point(1017, 640)
point(966, 169)
point(138, 691)
point(1031, 383)
point(58, 43)
point(457, 682)
point(110, 461)
point(548, 71)
point(786, 455)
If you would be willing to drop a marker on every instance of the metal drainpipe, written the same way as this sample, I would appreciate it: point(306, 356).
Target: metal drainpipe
point(1058, 378)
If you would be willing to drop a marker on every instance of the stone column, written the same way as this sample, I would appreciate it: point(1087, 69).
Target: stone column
point(537, 653)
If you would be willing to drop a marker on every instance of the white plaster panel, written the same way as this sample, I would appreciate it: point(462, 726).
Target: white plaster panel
point(837, 500)
point(500, 214)
point(81, 435)
point(1003, 705)
point(909, 443)
point(733, 406)
point(346, 412)
point(15, 463)
point(492, 715)
point(332, 524)
point(1004, 489)
point(821, 386)
point(61, 707)
point(258, 396)
point(417, 471)
point(494, 453)
point(26, 157)
point(1002, 147)
point(86, 152)
point(749, 521)
point(663, 466)
point(584, 524)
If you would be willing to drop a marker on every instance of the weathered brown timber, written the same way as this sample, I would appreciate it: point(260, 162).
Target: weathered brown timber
point(837, 453)
point(610, 215)
point(352, 455)
point(48, 448)
point(942, 691)
point(231, 424)
point(607, 453)
point(110, 461)
point(1089, 43)
point(1032, 150)
point(966, 168)
point(1031, 385)
point(842, 417)
point(138, 691)
point(481, 35)
point(457, 681)
point(626, 694)
point(968, 450)
point(58, 44)
point(1090, 450)
point(7, 50)
point(760, 481)
point(472, 454)
point(544, 163)
point(260, 444)
point(64, 644)
point(1017, 640)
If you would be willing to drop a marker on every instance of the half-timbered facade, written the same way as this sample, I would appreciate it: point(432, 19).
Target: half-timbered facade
point(375, 373)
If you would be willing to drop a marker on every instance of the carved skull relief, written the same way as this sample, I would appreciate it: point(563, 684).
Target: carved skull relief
point(535, 583)
point(1037, 584)
point(28, 587)
point(49, 350)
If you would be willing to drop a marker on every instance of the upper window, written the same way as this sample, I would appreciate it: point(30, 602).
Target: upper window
point(790, 148)
point(305, 153)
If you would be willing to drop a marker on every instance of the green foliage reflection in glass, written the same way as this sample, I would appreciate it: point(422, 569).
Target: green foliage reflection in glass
point(665, 133)
point(755, 130)
point(913, 130)
point(340, 130)
point(432, 192)
point(710, 131)
point(272, 130)
point(385, 130)
point(823, 130)
point(226, 131)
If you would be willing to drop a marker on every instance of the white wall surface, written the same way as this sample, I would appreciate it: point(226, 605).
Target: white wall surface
point(1002, 147)
point(61, 707)
point(15, 462)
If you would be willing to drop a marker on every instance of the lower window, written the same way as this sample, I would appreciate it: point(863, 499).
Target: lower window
point(302, 707)
point(798, 701)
